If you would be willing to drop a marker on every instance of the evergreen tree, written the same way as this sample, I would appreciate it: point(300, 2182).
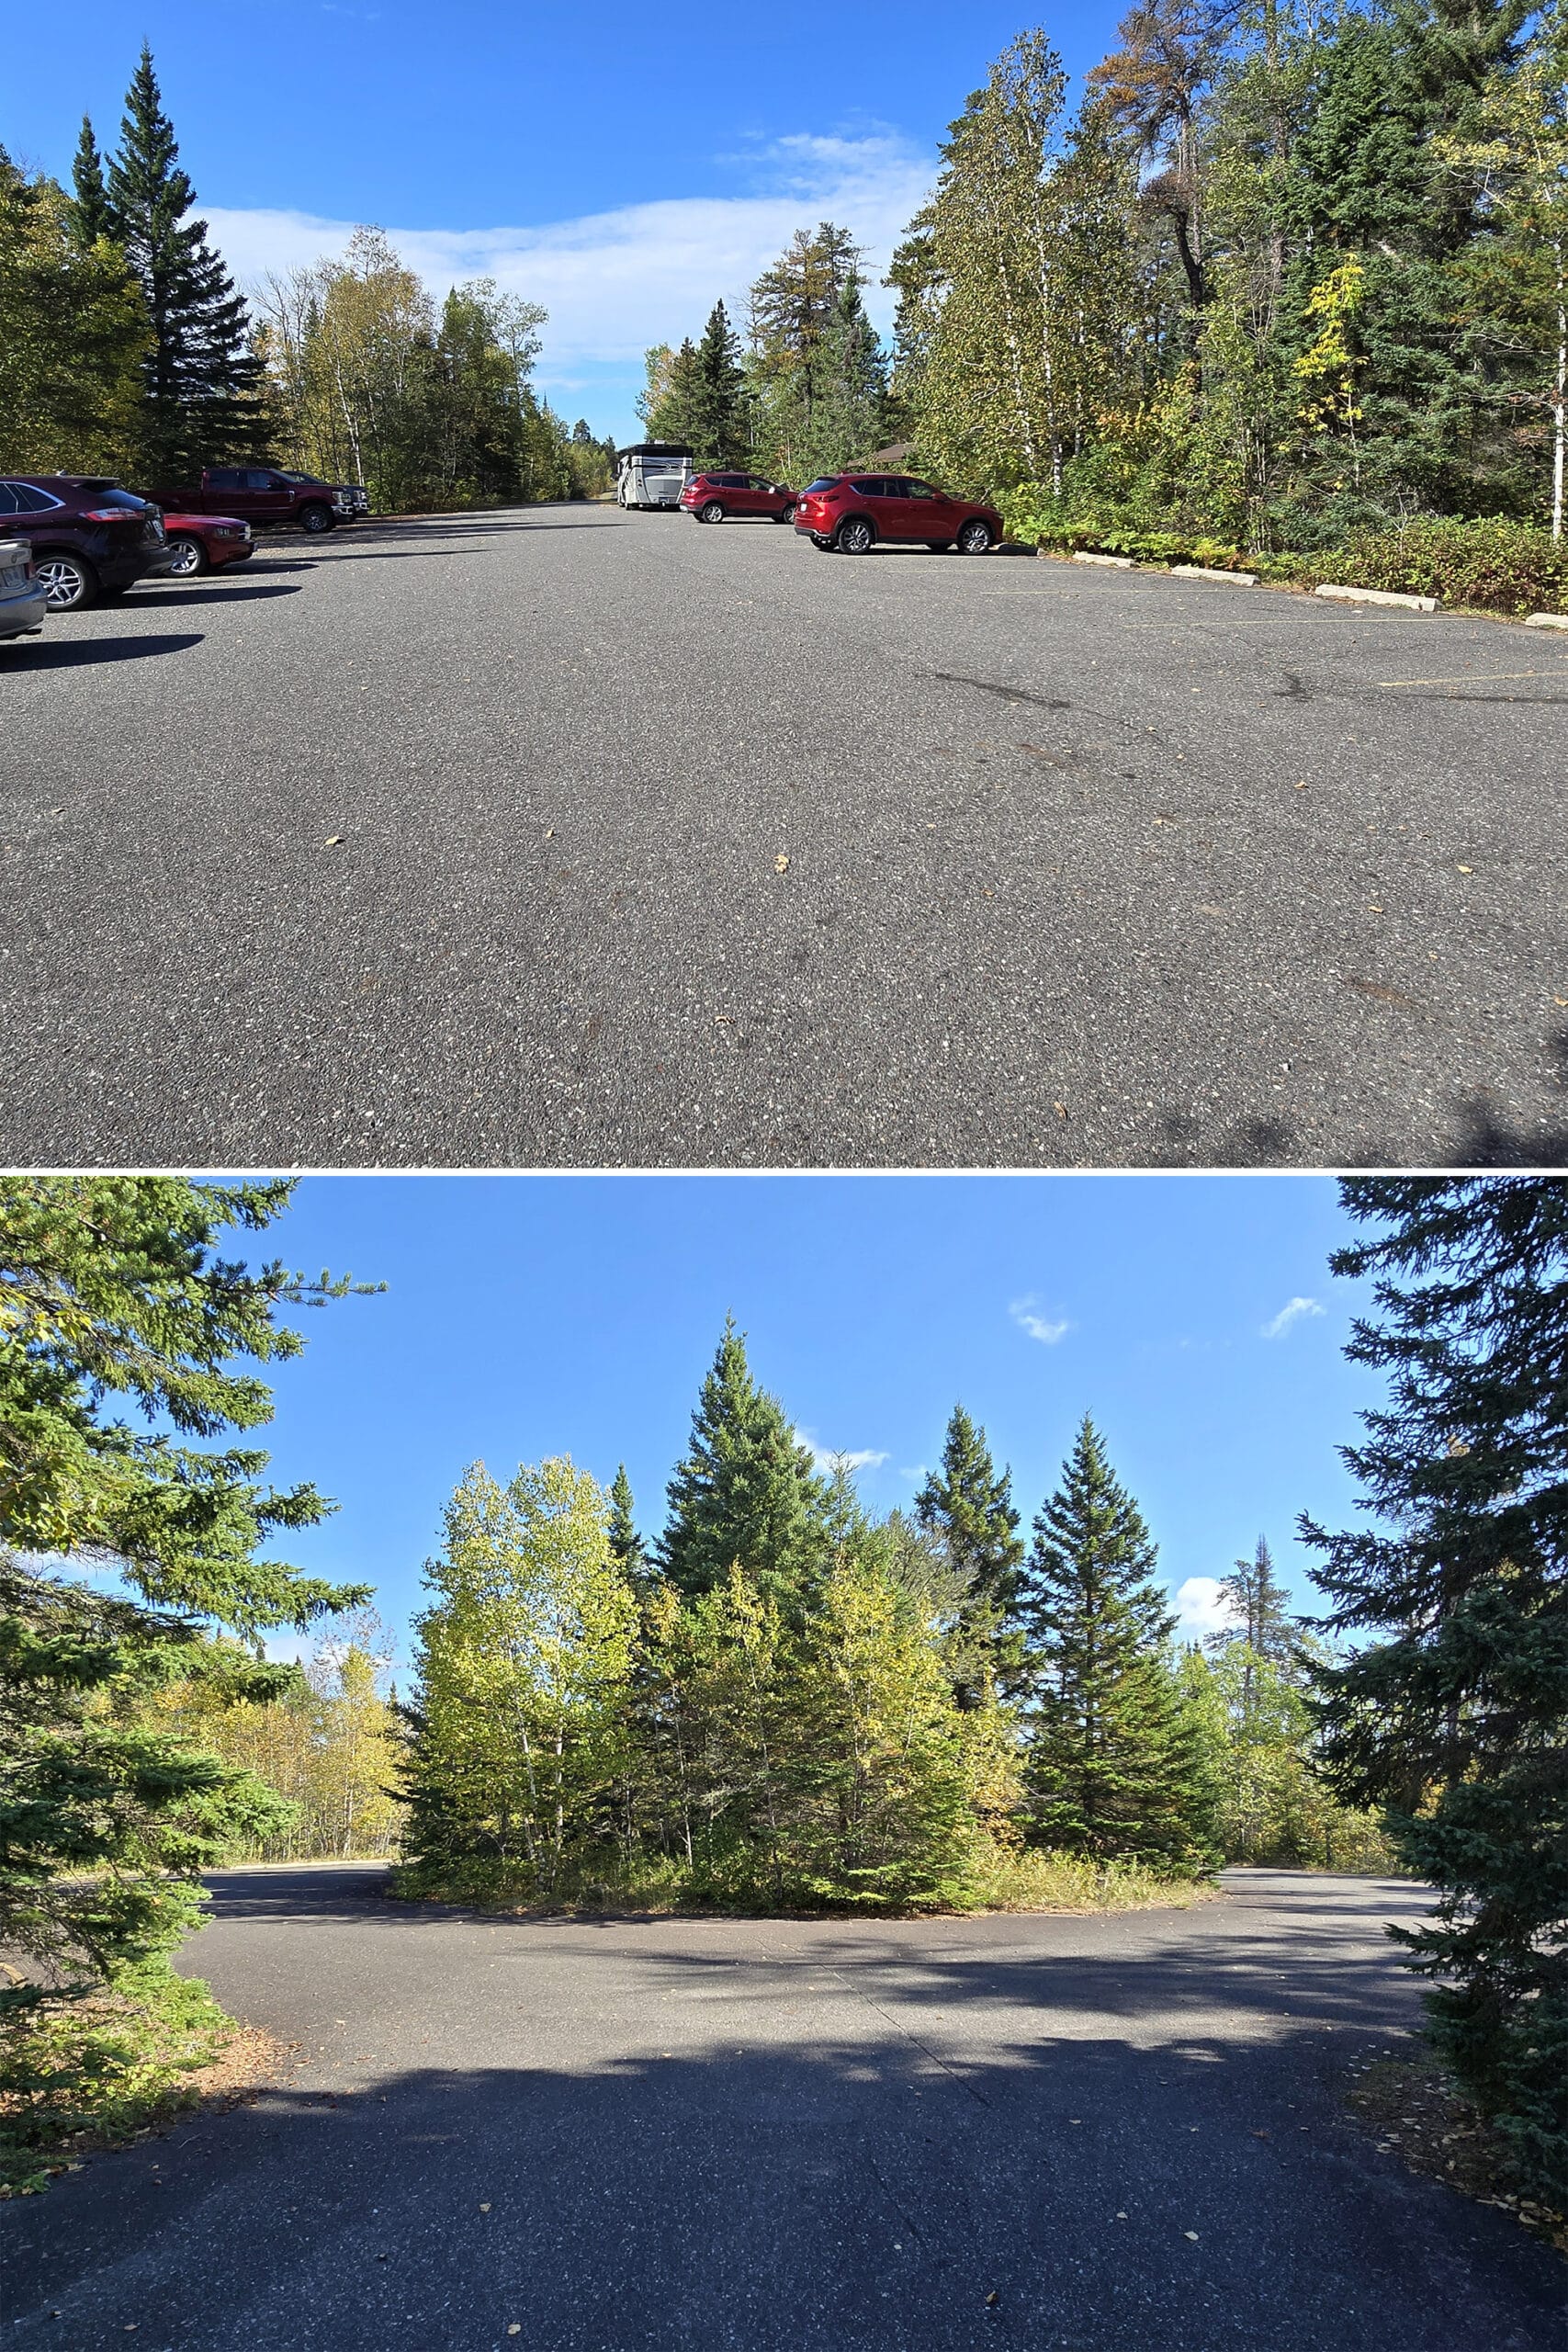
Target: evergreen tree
point(1115, 1766)
point(746, 1491)
point(1261, 1619)
point(717, 402)
point(967, 1505)
point(112, 1292)
point(92, 216)
point(1453, 1711)
point(202, 379)
point(624, 1542)
point(674, 403)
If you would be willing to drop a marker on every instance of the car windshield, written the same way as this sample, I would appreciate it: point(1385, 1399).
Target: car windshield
point(823, 481)
point(118, 498)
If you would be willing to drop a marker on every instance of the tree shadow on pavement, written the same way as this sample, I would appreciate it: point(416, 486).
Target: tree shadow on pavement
point(861, 2194)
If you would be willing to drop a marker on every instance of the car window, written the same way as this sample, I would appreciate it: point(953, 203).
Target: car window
point(118, 498)
point(32, 501)
point(225, 478)
point(7, 499)
point(869, 486)
point(823, 481)
point(917, 489)
point(258, 481)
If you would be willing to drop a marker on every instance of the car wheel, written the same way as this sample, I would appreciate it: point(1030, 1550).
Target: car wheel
point(712, 513)
point(975, 539)
point(186, 557)
point(315, 519)
point(67, 581)
point(856, 536)
point(785, 514)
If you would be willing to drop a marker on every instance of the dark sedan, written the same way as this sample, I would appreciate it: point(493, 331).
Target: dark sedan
point(90, 539)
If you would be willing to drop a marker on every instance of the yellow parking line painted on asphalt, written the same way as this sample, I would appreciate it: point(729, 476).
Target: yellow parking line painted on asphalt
point(1471, 678)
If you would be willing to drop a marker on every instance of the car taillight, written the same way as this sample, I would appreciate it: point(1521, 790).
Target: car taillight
point(110, 514)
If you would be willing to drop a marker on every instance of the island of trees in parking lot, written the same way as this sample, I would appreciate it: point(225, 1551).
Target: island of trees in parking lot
point(126, 349)
point(782, 1700)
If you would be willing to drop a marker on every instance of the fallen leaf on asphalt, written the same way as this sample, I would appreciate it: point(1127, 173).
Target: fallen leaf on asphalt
point(515, 2328)
point(1375, 911)
point(781, 864)
point(1301, 784)
point(993, 2297)
point(484, 2208)
point(1120, 2217)
point(1060, 1109)
point(1467, 869)
point(1261, 2135)
point(549, 833)
point(1191, 2233)
point(333, 840)
point(1559, 1000)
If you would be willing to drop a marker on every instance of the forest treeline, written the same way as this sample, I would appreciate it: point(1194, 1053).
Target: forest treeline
point(781, 1700)
point(1285, 281)
point(126, 348)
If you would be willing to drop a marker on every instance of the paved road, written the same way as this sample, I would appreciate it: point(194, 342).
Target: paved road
point(1054, 895)
point(787, 2137)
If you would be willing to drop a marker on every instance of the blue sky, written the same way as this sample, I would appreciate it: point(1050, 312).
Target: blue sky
point(532, 1315)
point(625, 167)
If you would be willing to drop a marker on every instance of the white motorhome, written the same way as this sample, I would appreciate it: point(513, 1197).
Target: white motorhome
point(653, 473)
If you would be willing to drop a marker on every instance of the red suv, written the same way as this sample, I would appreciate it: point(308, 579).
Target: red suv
point(89, 538)
point(852, 511)
point(710, 497)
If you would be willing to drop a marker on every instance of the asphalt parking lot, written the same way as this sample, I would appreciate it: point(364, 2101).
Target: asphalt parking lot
point(570, 837)
point(1111, 2134)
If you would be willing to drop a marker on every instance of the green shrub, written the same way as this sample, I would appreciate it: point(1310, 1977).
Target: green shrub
point(99, 2067)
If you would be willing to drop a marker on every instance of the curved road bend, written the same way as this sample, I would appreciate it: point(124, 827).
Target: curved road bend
point(1115, 2134)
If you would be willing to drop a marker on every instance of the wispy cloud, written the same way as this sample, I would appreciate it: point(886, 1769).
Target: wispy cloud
point(828, 1457)
point(1046, 1329)
point(1291, 1312)
point(1201, 1608)
point(616, 282)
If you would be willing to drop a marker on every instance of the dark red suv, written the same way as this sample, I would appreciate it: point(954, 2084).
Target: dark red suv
point(712, 497)
point(852, 511)
point(90, 538)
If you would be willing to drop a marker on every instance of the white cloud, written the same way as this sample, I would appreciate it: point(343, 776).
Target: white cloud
point(1201, 1608)
point(288, 1649)
point(828, 1457)
point(1039, 1327)
point(616, 282)
point(1291, 1312)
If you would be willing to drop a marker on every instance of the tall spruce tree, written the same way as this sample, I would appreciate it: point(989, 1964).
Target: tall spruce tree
point(92, 216)
point(113, 1295)
point(202, 379)
point(624, 1542)
point(1453, 1712)
point(1115, 1766)
point(1261, 1623)
point(719, 430)
point(746, 1492)
point(967, 1505)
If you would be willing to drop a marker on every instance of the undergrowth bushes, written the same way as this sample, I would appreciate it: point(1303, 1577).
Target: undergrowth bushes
point(1492, 564)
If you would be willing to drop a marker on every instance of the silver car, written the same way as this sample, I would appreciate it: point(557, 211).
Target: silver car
point(23, 600)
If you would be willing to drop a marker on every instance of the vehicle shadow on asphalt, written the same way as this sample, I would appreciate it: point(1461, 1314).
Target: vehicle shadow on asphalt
point(77, 653)
point(237, 594)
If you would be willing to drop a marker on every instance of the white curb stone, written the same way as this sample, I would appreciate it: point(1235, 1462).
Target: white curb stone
point(1379, 596)
point(1547, 620)
point(1116, 563)
point(1227, 579)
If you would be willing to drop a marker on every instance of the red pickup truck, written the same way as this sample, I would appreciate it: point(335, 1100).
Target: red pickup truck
point(263, 496)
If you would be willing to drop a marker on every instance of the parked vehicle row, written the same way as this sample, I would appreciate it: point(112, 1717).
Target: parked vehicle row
point(849, 513)
point(84, 539)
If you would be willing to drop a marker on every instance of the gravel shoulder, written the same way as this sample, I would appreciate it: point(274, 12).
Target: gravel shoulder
point(457, 842)
point(1093, 2132)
